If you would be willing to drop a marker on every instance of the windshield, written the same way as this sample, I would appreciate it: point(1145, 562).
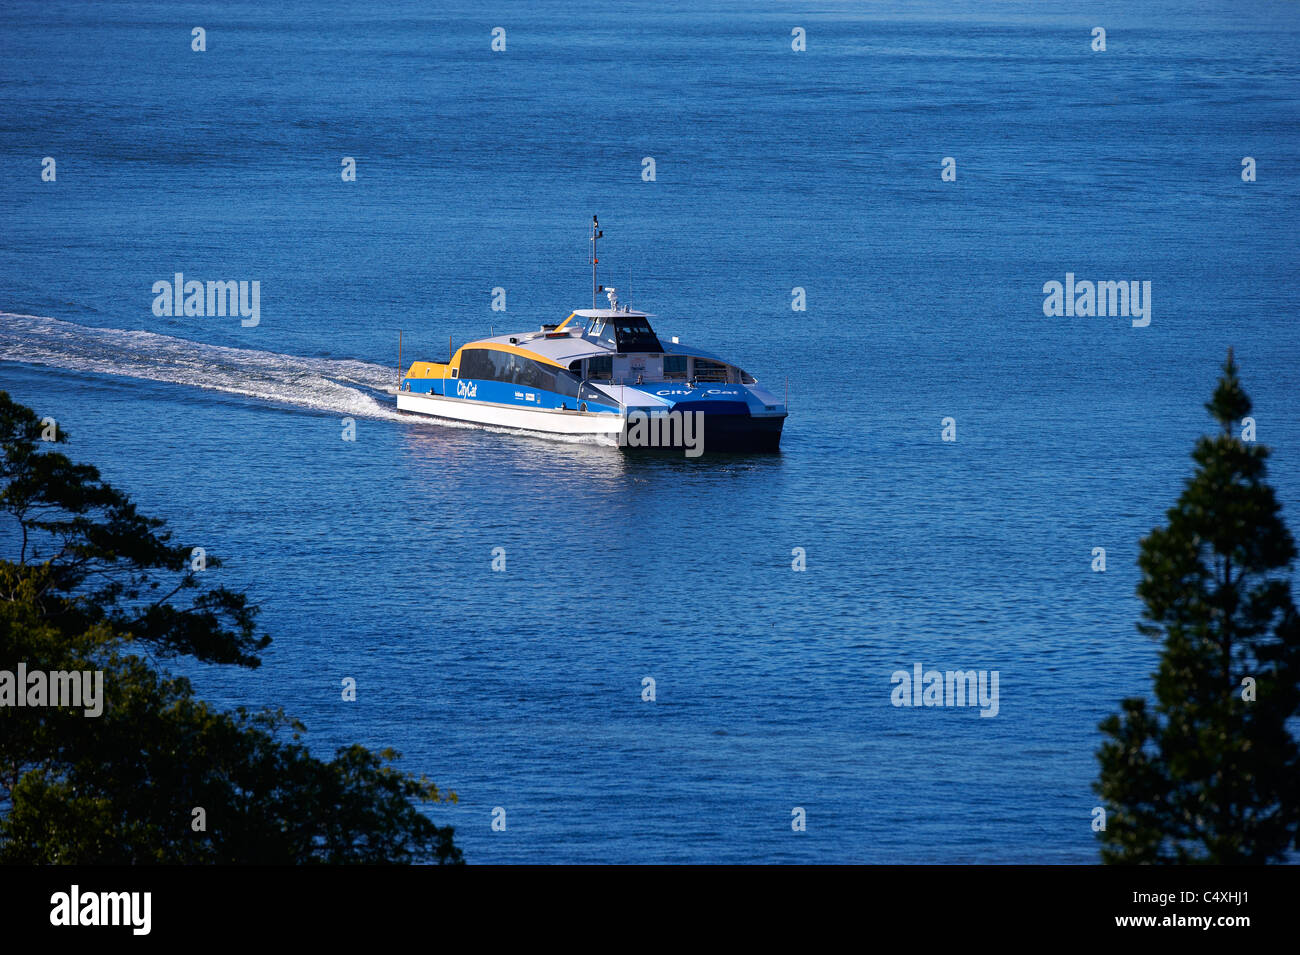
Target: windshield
point(626, 333)
point(634, 334)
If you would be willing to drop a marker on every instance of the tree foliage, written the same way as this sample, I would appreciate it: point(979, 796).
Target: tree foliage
point(97, 586)
point(1208, 771)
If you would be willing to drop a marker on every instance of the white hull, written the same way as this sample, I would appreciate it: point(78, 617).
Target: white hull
point(546, 421)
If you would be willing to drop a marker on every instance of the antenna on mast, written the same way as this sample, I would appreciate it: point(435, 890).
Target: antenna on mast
point(596, 233)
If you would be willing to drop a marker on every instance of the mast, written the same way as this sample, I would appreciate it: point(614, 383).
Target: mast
point(596, 233)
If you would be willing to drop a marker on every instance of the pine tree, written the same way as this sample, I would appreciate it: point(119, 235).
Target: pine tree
point(1210, 773)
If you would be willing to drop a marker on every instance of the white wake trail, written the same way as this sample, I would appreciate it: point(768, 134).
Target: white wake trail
point(320, 384)
point(337, 386)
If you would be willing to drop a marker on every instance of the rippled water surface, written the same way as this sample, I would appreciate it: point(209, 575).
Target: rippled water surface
point(774, 169)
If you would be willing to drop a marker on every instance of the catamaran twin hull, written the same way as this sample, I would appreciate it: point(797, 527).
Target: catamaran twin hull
point(704, 426)
point(606, 376)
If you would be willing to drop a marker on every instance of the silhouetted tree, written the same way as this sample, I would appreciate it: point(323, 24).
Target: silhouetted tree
point(1209, 772)
point(95, 586)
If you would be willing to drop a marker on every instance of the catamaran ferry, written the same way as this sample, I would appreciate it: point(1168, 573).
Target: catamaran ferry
point(601, 372)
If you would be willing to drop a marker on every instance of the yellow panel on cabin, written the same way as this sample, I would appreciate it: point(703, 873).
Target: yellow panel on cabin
point(427, 369)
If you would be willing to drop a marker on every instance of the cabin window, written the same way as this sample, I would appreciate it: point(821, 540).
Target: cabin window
point(597, 397)
point(706, 370)
point(674, 367)
point(601, 367)
point(477, 363)
point(490, 364)
point(634, 334)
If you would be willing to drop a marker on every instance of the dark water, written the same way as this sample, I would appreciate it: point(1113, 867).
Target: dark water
point(775, 169)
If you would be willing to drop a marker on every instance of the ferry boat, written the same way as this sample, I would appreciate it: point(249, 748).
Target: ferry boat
point(601, 372)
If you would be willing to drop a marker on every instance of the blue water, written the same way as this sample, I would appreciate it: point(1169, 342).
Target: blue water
point(522, 689)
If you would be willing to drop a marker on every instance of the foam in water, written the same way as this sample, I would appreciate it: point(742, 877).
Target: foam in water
point(338, 386)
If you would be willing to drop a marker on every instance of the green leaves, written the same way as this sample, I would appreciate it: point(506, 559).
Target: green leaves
point(107, 562)
point(96, 584)
point(122, 790)
point(1207, 775)
point(1229, 403)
